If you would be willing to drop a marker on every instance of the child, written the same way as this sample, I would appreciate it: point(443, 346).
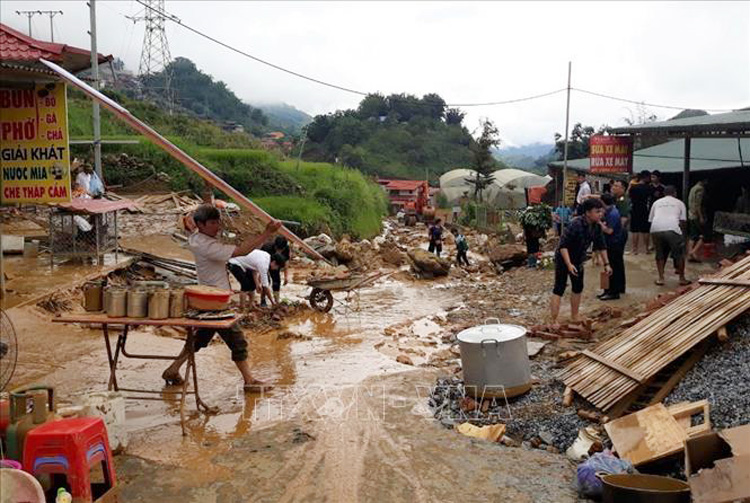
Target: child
point(461, 247)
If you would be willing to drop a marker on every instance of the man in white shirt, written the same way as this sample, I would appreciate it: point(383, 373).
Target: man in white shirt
point(584, 191)
point(668, 217)
point(211, 257)
point(83, 179)
point(252, 271)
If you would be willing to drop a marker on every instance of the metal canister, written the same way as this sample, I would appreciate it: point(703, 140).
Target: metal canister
point(158, 304)
point(177, 303)
point(137, 303)
point(93, 295)
point(115, 302)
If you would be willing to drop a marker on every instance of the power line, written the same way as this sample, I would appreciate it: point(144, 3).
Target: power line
point(175, 19)
point(322, 82)
point(636, 102)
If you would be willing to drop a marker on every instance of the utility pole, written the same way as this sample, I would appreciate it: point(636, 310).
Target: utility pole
point(302, 147)
point(95, 77)
point(565, 149)
point(52, 14)
point(31, 13)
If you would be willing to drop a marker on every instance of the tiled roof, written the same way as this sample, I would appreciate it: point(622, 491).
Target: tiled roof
point(15, 47)
point(404, 184)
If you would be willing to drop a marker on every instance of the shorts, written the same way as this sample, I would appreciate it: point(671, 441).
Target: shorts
point(695, 229)
point(244, 276)
point(232, 337)
point(561, 278)
point(668, 243)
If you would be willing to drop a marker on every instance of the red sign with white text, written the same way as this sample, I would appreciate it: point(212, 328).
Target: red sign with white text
point(611, 154)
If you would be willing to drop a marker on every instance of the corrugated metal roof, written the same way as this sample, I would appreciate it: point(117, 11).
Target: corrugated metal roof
point(705, 154)
point(737, 121)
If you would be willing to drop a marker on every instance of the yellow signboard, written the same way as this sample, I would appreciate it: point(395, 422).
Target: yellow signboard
point(34, 150)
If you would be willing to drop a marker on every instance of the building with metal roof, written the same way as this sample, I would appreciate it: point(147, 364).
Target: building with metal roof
point(724, 124)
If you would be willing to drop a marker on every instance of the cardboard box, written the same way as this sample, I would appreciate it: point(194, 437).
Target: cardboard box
point(717, 465)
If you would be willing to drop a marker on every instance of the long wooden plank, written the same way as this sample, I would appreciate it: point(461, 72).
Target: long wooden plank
point(614, 365)
point(103, 319)
point(655, 342)
point(675, 378)
point(724, 282)
point(177, 153)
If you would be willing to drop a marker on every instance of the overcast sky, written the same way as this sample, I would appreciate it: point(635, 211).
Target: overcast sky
point(687, 54)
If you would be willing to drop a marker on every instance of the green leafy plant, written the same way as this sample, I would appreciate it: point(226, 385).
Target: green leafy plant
point(538, 217)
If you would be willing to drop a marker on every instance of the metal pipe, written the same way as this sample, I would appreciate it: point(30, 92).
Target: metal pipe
point(178, 154)
point(565, 149)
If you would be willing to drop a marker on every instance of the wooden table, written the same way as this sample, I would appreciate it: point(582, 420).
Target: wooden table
point(189, 324)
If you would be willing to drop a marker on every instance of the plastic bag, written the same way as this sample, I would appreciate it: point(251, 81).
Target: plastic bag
point(606, 463)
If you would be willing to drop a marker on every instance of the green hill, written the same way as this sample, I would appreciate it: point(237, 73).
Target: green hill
point(400, 136)
point(322, 197)
point(284, 117)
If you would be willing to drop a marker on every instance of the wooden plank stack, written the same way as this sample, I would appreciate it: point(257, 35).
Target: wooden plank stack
point(656, 341)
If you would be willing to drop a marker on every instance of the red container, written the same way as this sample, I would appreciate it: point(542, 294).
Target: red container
point(207, 298)
point(4, 415)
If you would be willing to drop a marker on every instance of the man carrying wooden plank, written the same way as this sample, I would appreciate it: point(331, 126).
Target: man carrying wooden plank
point(211, 259)
point(571, 253)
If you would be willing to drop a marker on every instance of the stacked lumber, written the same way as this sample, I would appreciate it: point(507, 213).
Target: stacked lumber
point(618, 366)
point(174, 202)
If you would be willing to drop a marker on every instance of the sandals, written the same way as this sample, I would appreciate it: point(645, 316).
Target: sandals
point(685, 282)
point(172, 379)
point(659, 282)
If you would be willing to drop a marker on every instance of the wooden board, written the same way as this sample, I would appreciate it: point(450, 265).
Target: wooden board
point(657, 431)
point(647, 435)
point(103, 319)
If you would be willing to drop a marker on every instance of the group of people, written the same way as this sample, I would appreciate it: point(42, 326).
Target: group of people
point(435, 236)
point(645, 208)
point(87, 184)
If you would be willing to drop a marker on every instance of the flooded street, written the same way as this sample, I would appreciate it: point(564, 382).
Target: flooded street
point(347, 419)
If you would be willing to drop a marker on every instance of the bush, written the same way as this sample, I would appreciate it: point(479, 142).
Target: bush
point(313, 216)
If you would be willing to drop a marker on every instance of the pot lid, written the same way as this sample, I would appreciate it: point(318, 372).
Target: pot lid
point(497, 333)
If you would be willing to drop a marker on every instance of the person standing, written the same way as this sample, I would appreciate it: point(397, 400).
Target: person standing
point(211, 257)
point(615, 237)
point(668, 216)
point(561, 217)
point(640, 196)
point(657, 189)
point(435, 234)
point(697, 219)
point(279, 246)
point(583, 193)
point(571, 253)
point(462, 247)
point(622, 202)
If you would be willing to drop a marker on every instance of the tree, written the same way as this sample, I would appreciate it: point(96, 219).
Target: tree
point(578, 143)
point(373, 106)
point(482, 161)
point(642, 115)
point(433, 106)
point(454, 117)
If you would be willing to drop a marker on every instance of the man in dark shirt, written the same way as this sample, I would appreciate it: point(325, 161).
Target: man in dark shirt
point(657, 188)
point(278, 247)
point(571, 253)
point(435, 234)
point(615, 236)
point(640, 204)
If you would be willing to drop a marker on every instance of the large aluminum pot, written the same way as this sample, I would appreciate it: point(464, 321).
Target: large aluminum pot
point(495, 360)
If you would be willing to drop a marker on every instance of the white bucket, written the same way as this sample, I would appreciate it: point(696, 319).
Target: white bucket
point(110, 406)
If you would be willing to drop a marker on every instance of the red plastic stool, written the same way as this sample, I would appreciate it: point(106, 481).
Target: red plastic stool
point(70, 448)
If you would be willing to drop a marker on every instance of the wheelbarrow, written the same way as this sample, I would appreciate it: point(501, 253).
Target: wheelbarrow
point(321, 299)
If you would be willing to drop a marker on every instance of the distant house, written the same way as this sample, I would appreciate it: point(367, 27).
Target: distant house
point(274, 135)
point(401, 192)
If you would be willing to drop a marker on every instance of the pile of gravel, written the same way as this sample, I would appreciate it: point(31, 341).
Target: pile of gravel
point(536, 415)
point(723, 378)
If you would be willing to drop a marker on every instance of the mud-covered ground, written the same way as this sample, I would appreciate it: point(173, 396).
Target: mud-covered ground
point(347, 420)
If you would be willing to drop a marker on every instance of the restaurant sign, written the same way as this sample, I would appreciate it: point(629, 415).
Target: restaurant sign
point(34, 153)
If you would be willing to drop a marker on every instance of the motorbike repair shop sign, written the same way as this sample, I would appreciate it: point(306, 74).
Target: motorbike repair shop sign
point(611, 154)
point(34, 152)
